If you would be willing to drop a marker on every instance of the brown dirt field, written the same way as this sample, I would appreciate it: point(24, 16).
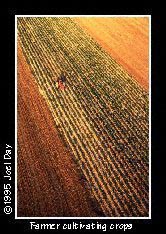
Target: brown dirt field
point(126, 39)
point(48, 179)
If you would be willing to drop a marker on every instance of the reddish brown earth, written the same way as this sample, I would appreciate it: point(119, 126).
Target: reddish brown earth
point(48, 180)
point(126, 39)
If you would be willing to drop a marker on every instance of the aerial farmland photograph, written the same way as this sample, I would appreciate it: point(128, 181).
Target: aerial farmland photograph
point(83, 88)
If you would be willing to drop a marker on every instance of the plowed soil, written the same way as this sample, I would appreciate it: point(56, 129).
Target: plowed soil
point(126, 39)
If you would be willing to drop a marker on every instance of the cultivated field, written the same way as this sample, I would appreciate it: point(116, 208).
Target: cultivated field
point(102, 116)
point(49, 182)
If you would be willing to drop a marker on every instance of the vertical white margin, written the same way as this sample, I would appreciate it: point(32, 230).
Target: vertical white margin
point(149, 55)
point(15, 116)
point(150, 173)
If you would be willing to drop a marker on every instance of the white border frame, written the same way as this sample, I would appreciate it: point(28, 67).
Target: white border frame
point(113, 16)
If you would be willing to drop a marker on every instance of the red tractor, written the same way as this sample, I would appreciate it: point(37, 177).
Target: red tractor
point(61, 82)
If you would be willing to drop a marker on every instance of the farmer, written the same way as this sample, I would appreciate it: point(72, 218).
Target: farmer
point(61, 82)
